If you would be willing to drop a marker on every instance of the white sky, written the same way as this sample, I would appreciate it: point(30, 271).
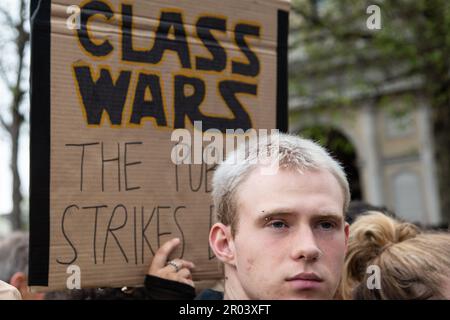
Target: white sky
point(5, 99)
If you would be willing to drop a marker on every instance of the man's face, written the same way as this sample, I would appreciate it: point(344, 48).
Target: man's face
point(291, 236)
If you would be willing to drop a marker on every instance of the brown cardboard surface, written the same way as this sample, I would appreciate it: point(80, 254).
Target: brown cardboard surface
point(109, 217)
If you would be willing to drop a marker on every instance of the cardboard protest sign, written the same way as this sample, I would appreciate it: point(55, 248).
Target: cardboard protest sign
point(110, 81)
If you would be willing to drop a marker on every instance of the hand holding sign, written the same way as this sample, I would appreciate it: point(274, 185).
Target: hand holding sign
point(176, 270)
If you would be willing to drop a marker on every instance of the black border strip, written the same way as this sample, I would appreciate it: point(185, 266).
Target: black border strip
point(282, 70)
point(39, 143)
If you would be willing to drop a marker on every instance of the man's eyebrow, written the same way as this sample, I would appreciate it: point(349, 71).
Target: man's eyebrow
point(325, 216)
point(339, 217)
point(276, 212)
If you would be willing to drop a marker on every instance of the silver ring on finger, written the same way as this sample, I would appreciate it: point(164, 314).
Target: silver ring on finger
point(174, 264)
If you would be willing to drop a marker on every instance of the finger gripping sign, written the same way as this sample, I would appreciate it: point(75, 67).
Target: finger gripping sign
point(110, 81)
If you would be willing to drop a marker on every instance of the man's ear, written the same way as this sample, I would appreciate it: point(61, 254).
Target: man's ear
point(347, 232)
point(221, 242)
point(19, 280)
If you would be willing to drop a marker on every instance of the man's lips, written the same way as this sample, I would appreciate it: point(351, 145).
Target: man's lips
point(305, 281)
point(306, 276)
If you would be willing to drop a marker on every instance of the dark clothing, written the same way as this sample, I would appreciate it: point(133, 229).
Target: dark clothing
point(155, 288)
point(210, 294)
point(164, 289)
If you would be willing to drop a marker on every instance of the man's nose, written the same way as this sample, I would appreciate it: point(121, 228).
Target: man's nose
point(304, 245)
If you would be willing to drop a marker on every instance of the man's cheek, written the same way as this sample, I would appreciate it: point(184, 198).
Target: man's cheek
point(250, 265)
point(335, 256)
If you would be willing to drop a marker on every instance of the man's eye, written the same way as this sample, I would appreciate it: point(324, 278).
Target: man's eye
point(278, 225)
point(326, 225)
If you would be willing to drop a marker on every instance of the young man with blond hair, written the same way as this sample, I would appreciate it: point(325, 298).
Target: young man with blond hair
point(280, 234)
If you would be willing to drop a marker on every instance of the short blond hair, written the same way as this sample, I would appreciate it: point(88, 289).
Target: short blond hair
point(413, 263)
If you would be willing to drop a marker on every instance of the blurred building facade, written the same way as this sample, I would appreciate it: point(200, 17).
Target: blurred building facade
point(394, 152)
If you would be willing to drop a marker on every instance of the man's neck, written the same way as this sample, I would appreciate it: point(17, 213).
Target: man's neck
point(232, 287)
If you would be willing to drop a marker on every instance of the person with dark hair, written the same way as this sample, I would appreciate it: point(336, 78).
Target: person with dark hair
point(14, 264)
